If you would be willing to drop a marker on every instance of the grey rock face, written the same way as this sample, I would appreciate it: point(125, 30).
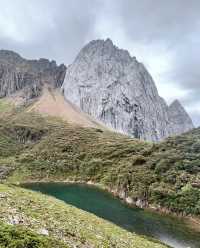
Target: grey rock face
point(17, 73)
point(179, 118)
point(110, 85)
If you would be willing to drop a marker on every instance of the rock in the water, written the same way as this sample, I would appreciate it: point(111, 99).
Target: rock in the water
point(179, 118)
point(17, 73)
point(110, 85)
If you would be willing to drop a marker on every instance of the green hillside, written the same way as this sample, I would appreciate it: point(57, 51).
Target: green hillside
point(34, 214)
point(18, 236)
point(34, 148)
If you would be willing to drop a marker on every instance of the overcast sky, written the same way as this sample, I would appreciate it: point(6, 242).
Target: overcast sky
point(164, 35)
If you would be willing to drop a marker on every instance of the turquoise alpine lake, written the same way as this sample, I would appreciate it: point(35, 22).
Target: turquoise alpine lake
point(169, 230)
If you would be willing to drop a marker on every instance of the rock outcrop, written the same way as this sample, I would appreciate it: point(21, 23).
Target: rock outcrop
point(179, 118)
point(37, 82)
point(17, 73)
point(105, 82)
point(110, 85)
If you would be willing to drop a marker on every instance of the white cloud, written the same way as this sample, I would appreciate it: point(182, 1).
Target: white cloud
point(23, 22)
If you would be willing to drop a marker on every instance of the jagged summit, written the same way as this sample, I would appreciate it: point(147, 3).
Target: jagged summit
point(105, 48)
point(109, 84)
point(181, 121)
point(10, 56)
point(8, 53)
point(176, 103)
point(13, 57)
point(177, 108)
point(17, 73)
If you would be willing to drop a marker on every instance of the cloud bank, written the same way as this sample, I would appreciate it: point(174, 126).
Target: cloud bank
point(164, 35)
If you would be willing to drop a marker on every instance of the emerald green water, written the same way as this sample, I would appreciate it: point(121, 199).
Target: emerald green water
point(169, 230)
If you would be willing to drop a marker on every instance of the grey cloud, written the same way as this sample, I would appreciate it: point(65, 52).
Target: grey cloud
point(176, 25)
point(64, 27)
point(159, 20)
point(59, 29)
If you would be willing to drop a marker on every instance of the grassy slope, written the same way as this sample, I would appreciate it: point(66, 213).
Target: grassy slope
point(48, 149)
point(18, 236)
point(62, 221)
point(5, 106)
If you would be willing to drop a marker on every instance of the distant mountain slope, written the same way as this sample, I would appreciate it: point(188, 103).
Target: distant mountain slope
point(37, 82)
point(110, 85)
point(179, 118)
point(17, 73)
point(52, 103)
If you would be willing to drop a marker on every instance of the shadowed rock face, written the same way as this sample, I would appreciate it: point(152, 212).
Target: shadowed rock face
point(179, 118)
point(109, 84)
point(17, 73)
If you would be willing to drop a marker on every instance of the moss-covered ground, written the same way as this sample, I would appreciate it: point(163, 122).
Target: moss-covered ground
point(18, 236)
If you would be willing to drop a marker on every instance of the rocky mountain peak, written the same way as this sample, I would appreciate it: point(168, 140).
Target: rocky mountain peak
point(179, 118)
point(110, 85)
point(176, 104)
point(176, 108)
point(104, 49)
point(17, 73)
point(105, 82)
point(10, 56)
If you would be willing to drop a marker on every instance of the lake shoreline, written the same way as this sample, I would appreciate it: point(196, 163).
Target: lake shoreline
point(192, 222)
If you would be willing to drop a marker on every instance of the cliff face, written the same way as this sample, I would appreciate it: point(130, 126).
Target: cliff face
point(17, 73)
point(109, 84)
point(105, 82)
point(179, 118)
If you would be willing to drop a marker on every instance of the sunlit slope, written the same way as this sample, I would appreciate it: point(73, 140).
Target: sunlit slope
point(58, 220)
point(52, 103)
